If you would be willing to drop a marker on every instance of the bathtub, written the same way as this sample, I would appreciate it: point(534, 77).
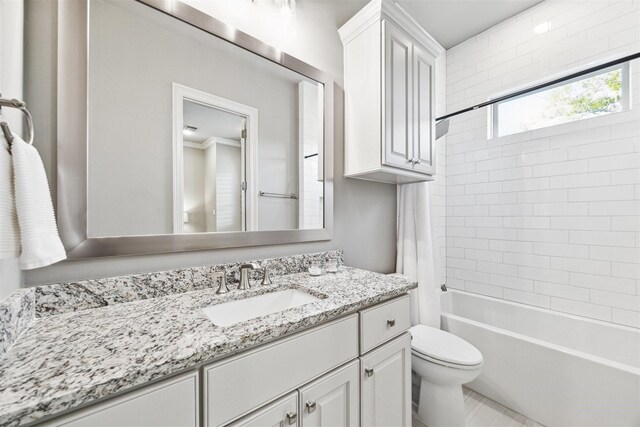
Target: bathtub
point(557, 369)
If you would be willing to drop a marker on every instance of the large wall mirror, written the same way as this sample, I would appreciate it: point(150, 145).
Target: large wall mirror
point(176, 132)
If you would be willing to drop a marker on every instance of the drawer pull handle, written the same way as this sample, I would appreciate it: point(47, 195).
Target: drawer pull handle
point(391, 322)
point(292, 417)
point(311, 406)
point(368, 372)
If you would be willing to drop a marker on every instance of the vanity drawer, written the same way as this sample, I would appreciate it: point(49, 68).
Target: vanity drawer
point(384, 321)
point(171, 403)
point(236, 386)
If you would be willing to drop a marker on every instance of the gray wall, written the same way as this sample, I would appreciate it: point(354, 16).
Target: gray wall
point(364, 213)
point(11, 86)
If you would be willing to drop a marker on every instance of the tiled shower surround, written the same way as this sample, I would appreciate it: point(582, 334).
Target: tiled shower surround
point(549, 217)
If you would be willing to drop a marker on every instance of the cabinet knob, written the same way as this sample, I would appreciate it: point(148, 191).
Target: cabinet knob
point(391, 322)
point(368, 372)
point(311, 406)
point(416, 162)
point(292, 417)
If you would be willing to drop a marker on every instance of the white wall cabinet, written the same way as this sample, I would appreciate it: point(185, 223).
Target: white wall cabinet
point(389, 77)
point(386, 384)
point(349, 372)
point(398, 139)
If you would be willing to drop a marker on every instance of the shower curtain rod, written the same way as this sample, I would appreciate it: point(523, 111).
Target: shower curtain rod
point(541, 86)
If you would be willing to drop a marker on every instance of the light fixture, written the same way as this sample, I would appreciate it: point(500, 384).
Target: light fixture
point(287, 5)
point(185, 218)
point(189, 130)
point(542, 27)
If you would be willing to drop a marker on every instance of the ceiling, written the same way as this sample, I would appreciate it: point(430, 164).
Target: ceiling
point(450, 22)
point(210, 122)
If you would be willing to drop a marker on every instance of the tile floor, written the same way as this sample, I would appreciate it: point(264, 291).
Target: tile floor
point(484, 412)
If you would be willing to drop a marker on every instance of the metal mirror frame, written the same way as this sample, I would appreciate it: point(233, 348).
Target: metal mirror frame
point(72, 140)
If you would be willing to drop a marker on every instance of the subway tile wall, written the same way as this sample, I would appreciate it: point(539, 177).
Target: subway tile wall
point(549, 217)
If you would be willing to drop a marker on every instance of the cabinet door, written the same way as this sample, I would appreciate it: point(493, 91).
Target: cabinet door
point(281, 413)
point(397, 145)
point(423, 111)
point(332, 400)
point(170, 403)
point(385, 375)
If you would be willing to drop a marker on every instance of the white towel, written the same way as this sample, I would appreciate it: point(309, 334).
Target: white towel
point(9, 230)
point(39, 237)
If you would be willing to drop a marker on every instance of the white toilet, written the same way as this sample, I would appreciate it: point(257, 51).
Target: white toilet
point(443, 362)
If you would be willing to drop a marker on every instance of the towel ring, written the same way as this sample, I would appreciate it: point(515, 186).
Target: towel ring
point(16, 103)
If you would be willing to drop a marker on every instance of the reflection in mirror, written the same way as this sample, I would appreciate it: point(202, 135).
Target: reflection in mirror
point(213, 170)
point(166, 148)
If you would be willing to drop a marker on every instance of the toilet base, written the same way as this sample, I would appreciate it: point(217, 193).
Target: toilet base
point(441, 405)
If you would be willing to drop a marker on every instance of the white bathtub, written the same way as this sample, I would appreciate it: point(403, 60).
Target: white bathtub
point(557, 369)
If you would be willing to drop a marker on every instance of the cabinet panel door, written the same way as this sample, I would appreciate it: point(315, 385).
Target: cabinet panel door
point(170, 403)
point(424, 111)
point(385, 375)
point(397, 144)
point(281, 413)
point(333, 400)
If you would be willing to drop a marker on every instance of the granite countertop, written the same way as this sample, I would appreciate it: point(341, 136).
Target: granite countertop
point(63, 361)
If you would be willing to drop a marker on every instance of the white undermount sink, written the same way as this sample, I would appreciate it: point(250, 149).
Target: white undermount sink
point(236, 311)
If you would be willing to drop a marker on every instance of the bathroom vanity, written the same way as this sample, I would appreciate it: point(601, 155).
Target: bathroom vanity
point(319, 374)
point(341, 359)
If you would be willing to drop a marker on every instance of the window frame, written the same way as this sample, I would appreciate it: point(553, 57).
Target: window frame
point(625, 76)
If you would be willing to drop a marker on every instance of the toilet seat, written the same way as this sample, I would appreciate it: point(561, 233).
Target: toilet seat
point(443, 348)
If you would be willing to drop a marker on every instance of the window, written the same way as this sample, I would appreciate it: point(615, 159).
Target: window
point(603, 92)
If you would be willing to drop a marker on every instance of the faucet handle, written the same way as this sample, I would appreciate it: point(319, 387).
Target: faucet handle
point(249, 265)
point(223, 288)
point(266, 279)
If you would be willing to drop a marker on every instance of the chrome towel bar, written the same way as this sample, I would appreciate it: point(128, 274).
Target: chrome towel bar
point(278, 195)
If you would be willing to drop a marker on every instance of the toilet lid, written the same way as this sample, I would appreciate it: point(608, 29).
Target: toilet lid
point(442, 345)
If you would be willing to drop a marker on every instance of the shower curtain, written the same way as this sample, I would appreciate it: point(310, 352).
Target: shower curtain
point(416, 254)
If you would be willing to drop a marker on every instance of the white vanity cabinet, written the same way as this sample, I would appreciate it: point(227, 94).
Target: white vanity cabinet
point(170, 403)
point(237, 386)
point(385, 364)
point(389, 72)
point(386, 384)
point(349, 372)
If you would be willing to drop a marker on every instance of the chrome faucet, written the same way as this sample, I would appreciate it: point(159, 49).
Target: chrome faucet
point(244, 275)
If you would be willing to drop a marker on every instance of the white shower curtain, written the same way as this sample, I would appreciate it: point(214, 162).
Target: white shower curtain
point(417, 253)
